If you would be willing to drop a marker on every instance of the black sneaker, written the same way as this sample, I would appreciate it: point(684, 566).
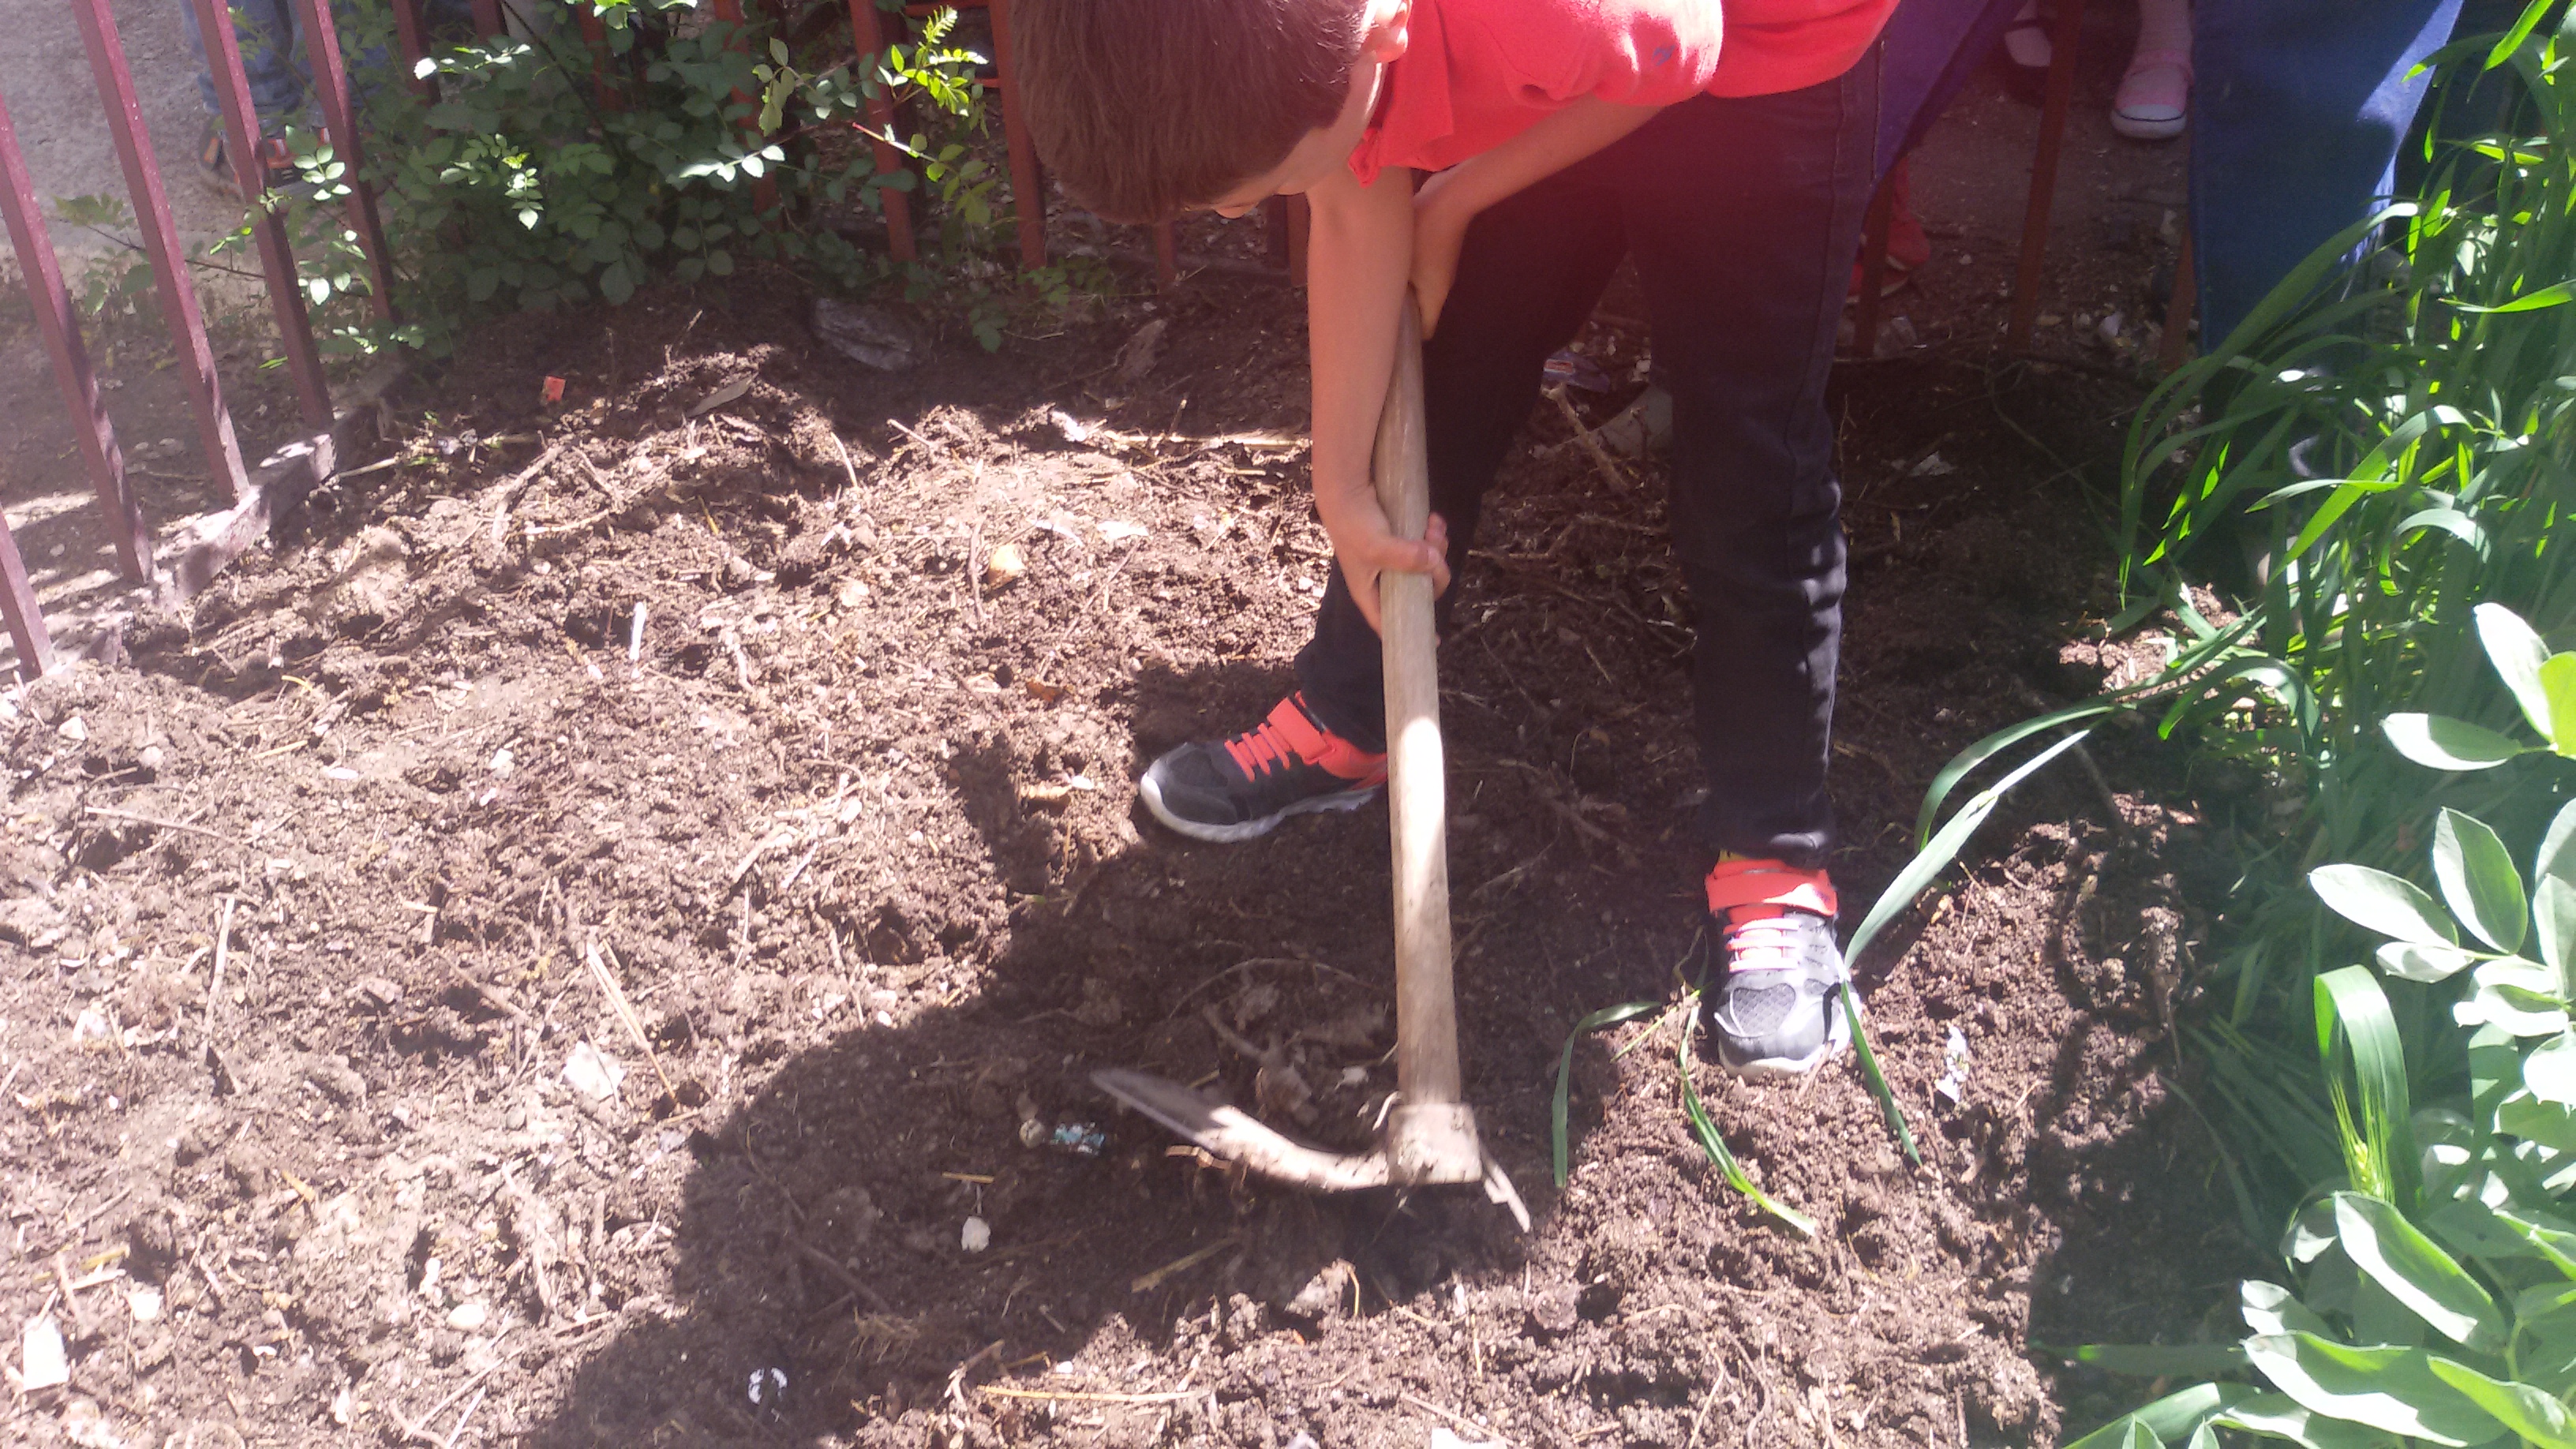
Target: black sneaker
point(1226, 790)
point(1779, 1011)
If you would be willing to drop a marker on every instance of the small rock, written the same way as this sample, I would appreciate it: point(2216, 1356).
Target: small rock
point(1552, 1310)
point(591, 1072)
point(144, 1303)
point(150, 757)
point(1137, 358)
point(1004, 566)
point(869, 336)
point(73, 730)
point(467, 1317)
point(43, 1363)
point(1326, 1294)
point(976, 1236)
point(1069, 427)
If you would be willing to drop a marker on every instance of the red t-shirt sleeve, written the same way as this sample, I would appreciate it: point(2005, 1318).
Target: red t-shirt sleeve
point(1631, 52)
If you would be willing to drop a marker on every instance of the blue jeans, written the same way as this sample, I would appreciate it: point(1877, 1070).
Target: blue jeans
point(272, 52)
point(1743, 215)
point(2298, 109)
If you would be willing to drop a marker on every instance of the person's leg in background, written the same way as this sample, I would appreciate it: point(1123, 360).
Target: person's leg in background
point(2154, 98)
point(1744, 216)
point(265, 31)
point(2302, 105)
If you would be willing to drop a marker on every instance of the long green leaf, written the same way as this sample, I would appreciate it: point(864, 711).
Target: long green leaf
point(2271, 1308)
point(2417, 1273)
point(1877, 1079)
point(1715, 1145)
point(2478, 880)
point(2162, 1360)
point(2558, 847)
point(2511, 41)
point(1943, 848)
point(2278, 1416)
point(2355, 1028)
point(2390, 1389)
point(1557, 1108)
point(2176, 1416)
point(2527, 1411)
point(2558, 687)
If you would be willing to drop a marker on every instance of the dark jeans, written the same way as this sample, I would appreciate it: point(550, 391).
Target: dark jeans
point(1744, 216)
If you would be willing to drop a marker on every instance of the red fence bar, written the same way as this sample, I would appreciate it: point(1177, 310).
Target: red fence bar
point(18, 610)
point(898, 206)
point(339, 119)
point(487, 17)
point(55, 318)
point(414, 45)
point(161, 240)
point(1028, 193)
point(276, 254)
point(2043, 174)
point(603, 62)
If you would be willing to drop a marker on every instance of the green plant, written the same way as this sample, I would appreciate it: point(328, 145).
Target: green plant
point(551, 171)
point(2435, 1292)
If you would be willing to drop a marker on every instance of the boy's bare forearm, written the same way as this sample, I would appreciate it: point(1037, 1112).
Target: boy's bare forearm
point(1555, 142)
point(1360, 249)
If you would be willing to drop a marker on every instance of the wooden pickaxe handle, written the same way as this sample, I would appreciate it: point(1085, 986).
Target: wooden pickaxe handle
point(1431, 1136)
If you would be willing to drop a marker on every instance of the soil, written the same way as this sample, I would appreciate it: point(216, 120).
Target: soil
point(602, 939)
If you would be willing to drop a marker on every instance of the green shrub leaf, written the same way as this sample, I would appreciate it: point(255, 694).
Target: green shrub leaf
point(2553, 912)
point(2390, 1389)
point(2517, 653)
point(2525, 1410)
point(2417, 1273)
point(2478, 880)
point(2558, 848)
point(2444, 743)
point(2409, 962)
point(2550, 1070)
point(2278, 1416)
point(2177, 1416)
point(2378, 901)
point(2558, 686)
point(2271, 1308)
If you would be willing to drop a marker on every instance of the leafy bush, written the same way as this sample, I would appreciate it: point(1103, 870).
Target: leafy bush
point(550, 171)
point(2435, 1292)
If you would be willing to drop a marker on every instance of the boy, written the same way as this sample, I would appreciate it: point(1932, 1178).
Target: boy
point(1728, 148)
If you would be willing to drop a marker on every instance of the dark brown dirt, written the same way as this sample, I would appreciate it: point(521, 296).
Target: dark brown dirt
point(850, 835)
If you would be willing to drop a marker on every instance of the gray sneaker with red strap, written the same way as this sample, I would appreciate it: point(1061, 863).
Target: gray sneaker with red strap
point(1779, 1010)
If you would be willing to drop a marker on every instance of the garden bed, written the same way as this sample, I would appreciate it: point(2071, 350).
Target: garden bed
point(851, 825)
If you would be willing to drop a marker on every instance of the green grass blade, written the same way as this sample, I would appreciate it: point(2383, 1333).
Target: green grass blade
point(1943, 848)
point(1556, 1112)
point(1878, 1080)
point(2356, 1029)
point(1715, 1146)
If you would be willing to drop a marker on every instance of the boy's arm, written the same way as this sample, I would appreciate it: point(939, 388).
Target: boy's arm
point(1451, 199)
point(1358, 255)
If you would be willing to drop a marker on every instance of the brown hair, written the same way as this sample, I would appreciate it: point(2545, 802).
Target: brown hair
point(1146, 107)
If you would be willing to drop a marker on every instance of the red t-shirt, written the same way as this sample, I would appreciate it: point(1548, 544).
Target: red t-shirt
point(1476, 73)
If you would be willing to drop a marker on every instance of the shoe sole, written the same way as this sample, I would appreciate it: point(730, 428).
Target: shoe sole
point(1152, 794)
point(2148, 130)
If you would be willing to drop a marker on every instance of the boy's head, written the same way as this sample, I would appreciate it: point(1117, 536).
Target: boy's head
point(1145, 108)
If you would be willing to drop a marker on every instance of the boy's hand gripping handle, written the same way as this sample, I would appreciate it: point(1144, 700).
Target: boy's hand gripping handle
point(1430, 1135)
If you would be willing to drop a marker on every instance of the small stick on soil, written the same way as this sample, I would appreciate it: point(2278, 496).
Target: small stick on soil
point(840, 1274)
point(975, 568)
point(223, 950)
point(157, 823)
point(1461, 1420)
point(1148, 1282)
point(1591, 443)
point(415, 1430)
point(1166, 1396)
point(618, 1003)
point(635, 635)
point(934, 449)
point(510, 490)
point(847, 466)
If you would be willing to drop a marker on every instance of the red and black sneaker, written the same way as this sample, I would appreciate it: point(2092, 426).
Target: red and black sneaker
point(1226, 790)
